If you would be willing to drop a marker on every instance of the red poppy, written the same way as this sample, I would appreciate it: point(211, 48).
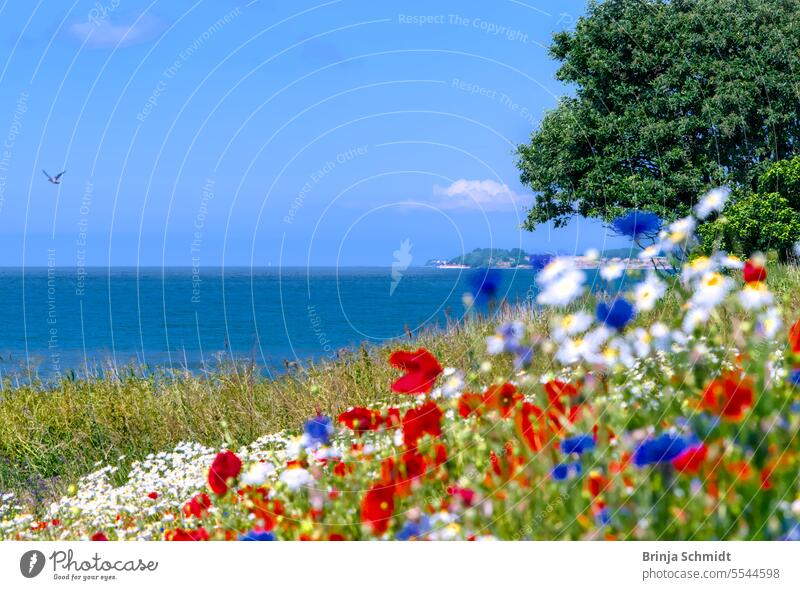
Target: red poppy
point(426, 419)
point(502, 398)
point(99, 536)
point(392, 419)
point(495, 461)
point(505, 464)
point(153, 495)
point(469, 403)
point(340, 469)
point(388, 471)
point(466, 495)
point(440, 455)
point(414, 464)
point(361, 419)
point(738, 468)
point(226, 466)
point(265, 511)
point(729, 395)
point(197, 506)
point(555, 390)
point(596, 483)
point(534, 434)
point(766, 478)
point(794, 337)
point(690, 460)
point(559, 392)
point(377, 508)
point(754, 271)
point(421, 369)
point(186, 535)
point(335, 537)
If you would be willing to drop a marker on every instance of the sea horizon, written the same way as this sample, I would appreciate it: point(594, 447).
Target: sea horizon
point(66, 318)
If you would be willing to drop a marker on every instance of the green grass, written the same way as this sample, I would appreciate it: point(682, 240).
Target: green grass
point(51, 434)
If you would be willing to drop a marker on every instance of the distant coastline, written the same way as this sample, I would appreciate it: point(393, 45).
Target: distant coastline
point(501, 259)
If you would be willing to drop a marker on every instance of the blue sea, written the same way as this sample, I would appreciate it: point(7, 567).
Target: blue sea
point(62, 320)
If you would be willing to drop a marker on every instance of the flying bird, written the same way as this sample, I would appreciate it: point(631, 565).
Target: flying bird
point(54, 179)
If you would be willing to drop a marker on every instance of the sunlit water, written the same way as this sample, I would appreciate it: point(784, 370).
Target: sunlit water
point(63, 321)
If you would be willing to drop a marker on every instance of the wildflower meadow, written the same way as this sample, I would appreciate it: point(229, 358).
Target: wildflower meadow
point(669, 409)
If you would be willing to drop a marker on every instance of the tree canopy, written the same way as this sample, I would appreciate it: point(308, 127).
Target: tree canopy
point(670, 98)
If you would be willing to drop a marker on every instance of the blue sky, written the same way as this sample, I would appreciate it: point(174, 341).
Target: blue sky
point(272, 133)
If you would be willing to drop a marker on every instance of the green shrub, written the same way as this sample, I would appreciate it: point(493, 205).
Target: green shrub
point(783, 177)
point(754, 222)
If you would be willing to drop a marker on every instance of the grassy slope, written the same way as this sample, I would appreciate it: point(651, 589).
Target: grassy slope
point(49, 436)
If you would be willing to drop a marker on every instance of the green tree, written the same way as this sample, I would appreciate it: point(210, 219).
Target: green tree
point(670, 98)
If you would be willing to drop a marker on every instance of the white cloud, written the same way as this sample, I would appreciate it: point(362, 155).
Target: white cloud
point(102, 33)
point(488, 195)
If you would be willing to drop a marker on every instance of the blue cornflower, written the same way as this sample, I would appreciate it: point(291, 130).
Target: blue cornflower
point(662, 449)
point(523, 356)
point(578, 444)
point(485, 283)
point(564, 471)
point(512, 334)
point(794, 377)
point(635, 224)
point(318, 431)
point(508, 338)
point(603, 517)
point(616, 315)
point(255, 535)
point(414, 529)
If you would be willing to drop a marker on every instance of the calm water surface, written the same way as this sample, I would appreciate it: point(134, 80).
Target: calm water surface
point(61, 320)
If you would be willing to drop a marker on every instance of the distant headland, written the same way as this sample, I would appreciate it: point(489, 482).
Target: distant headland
point(517, 258)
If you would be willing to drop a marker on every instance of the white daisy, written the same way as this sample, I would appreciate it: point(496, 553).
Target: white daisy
point(641, 340)
point(697, 267)
point(258, 473)
point(696, 316)
point(613, 270)
point(586, 347)
point(296, 478)
point(660, 334)
point(755, 295)
point(651, 252)
point(563, 290)
point(572, 350)
point(713, 202)
point(554, 270)
point(571, 324)
point(453, 382)
point(646, 293)
point(711, 290)
point(769, 323)
point(681, 230)
point(617, 352)
point(730, 261)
